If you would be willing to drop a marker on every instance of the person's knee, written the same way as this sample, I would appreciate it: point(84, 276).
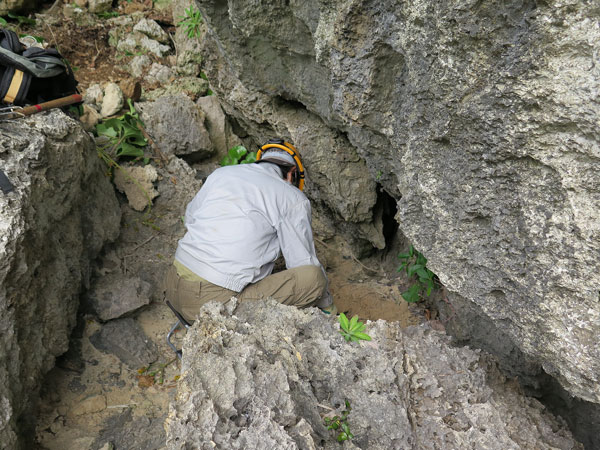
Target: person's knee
point(313, 277)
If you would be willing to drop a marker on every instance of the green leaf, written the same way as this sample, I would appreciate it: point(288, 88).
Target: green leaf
point(362, 336)
point(129, 150)
point(3, 21)
point(343, 321)
point(237, 152)
point(227, 161)
point(412, 269)
point(250, 158)
point(422, 273)
point(403, 256)
point(353, 322)
point(412, 295)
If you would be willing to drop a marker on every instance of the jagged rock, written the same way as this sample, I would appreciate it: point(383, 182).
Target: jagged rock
point(137, 183)
point(115, 295)
point(262, 375)
point(132, 89)
point(57, 219)
point(99, 6)
point(90, 117)
point(127, 432)
point(159, 74)
point(192, 87)
point(138, 65)
point(152, 29)
point(93, 95)
point(155, 47)
point(219, 129)
point(15, 6)
point(125, 339)
point(477, 119)
point(112, 101)
point(177, 126)
point(189, 55)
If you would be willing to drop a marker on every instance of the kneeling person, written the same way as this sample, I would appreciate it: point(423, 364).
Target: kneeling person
point(238, 224)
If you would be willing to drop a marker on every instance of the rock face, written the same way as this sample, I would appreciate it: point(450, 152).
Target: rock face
point(61, 212)
point(480, 119)
point(262, 375)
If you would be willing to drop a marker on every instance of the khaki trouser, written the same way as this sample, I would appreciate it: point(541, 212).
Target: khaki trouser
point(300, 286)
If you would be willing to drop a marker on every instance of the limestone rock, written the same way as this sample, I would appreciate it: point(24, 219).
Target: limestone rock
point(159, 74)
point(137, 183)
point(152, 29)
point(155, 47)
point(125, 339)
point(90, 117)
point(93, 95)
point(61, 213)
point(219, 129)
point(15, 6)
point(115, 295)
point(192, 87)
point(177, 126)
point(138, 65)
point(480, 121)
point(99, 6)
point(112, 101)
point(281, 369)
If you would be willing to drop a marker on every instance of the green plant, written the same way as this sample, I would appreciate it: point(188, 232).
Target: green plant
point(340, 423)
point(238, 155)
point(124, 134)
point(416, 267)
point(379, 174)
point(153, 374)
point(107, 14)
point(21, 20)
point(191, 22)
point(352, 329)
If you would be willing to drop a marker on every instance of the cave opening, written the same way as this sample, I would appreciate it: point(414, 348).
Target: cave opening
point(386, 206)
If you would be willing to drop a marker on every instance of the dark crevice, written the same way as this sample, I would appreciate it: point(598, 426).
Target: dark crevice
point(388, 207)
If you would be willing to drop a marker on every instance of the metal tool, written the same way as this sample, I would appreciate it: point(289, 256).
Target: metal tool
point(13, 112)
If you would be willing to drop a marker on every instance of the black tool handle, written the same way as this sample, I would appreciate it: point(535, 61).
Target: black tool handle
point(5, 184)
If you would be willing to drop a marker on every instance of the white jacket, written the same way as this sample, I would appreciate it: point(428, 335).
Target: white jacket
point(238, 223)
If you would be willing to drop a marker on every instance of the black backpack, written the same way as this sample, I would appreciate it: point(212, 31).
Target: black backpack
point(32, 75)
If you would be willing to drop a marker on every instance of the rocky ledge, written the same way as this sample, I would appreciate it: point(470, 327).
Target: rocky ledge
point(264, 375)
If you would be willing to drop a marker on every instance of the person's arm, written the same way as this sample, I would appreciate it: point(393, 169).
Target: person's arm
point(295, 236)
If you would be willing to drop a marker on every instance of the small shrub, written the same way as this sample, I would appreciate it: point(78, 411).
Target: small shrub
point(340, 424)
point(238, 155)
point(352, 329)
point(191, 22)
point(416, 268)
point(125, 137)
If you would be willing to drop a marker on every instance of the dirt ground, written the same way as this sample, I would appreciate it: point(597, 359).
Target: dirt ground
point(87, 397)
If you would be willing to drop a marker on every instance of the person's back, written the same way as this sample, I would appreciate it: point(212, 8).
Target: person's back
point(237, 225)
point(233, 224)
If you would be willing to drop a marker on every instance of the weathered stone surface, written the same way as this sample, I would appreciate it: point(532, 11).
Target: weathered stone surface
point(479, 118)
point(115, 295)
point(152, 29)
point(112, 100)
point(125, 339)
point(262, 375)
point(177, 126)
point(127, 432)
point(219, 128)
point(57, 219)
point(137, 183)
point(16, 6)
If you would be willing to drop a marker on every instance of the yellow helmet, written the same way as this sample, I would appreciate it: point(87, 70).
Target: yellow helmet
point(275, 147)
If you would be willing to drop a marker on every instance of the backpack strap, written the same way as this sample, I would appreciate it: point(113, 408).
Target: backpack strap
point(14, 83)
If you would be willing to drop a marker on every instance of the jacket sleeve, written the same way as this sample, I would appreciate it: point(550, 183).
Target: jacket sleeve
point(295, 237)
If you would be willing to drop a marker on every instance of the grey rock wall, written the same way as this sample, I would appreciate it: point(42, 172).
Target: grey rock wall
point(479, 118)
point(57, 219)
point(261, 375)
